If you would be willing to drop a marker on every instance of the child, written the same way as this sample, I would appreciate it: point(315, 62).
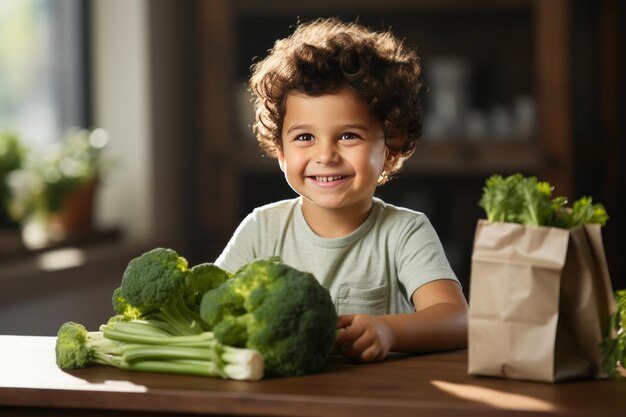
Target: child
point(339, 107)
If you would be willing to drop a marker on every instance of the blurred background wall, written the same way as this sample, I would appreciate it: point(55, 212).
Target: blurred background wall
point(515, 86)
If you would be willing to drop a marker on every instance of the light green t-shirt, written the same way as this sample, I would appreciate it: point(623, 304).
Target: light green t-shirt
point(373, 270)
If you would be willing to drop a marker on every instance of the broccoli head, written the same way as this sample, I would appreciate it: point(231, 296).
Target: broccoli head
point(155, 284)
point(71, 347)
point(154, 278)
point(200, 279)
point(278, 310)
point(158, 285)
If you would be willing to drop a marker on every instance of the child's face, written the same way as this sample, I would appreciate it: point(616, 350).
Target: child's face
point(333, 150)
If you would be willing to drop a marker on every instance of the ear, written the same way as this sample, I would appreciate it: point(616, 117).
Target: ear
point(392, 153)
point(281, 158)
point(391, 160)
point(396, 141)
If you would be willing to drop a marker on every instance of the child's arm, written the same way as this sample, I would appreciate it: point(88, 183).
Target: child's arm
point(439, 323)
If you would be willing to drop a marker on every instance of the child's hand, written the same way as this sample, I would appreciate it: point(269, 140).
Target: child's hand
point(363, 337)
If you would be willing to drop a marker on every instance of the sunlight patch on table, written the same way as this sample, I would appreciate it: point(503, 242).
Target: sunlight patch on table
point(494, 398)
point(14, 373)
point(59, 259)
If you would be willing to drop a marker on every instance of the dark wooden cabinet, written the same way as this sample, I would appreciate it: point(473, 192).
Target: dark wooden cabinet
point(514, 48)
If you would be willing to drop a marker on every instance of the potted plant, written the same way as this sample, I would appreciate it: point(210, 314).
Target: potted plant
point(12, 156)
point(54, 194)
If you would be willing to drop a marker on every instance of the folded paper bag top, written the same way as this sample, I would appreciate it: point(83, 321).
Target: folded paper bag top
point(540, 298)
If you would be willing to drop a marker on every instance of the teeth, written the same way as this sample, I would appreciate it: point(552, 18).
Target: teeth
point(328, 179)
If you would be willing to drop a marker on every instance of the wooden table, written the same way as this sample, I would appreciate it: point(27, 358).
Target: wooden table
point(422, 385)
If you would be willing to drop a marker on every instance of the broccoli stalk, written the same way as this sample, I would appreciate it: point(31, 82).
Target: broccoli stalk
point(140, 346)
point(159, 286)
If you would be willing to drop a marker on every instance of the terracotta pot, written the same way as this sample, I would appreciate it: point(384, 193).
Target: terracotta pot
point(76, 216)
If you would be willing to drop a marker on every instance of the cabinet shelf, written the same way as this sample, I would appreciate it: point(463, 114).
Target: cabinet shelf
point(450, 157)
point(474, 158)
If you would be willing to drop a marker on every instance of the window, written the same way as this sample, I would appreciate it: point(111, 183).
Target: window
point(43, 68)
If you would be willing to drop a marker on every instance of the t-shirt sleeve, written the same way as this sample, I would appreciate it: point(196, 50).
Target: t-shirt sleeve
point(420, 256)
point(241, 249)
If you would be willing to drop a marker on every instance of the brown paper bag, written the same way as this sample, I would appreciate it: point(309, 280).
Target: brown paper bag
point(540, 298)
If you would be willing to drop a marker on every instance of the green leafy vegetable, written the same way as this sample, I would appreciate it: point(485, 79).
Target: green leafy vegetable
point(614, 345)
point(584, 211)
point(525, 200)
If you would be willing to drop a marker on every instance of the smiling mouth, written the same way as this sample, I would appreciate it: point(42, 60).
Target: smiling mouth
point(329, 179)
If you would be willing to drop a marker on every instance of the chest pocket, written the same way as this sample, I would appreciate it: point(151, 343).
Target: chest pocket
point(358, 301)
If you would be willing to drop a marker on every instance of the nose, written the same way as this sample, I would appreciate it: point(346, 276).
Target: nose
point(326, 152)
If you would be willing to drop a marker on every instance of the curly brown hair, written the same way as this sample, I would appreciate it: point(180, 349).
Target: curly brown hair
point(325, 55)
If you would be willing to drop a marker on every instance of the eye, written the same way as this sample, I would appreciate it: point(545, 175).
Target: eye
point(305, 137)
point(349, 136)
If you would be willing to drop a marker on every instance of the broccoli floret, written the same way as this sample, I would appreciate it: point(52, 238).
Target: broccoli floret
point(278, 310)
point(153, 278)
point(156, 285)
point(199, 280)
point(76, 347)
point(71, 348)
point(139, 346)
point(122, 307)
